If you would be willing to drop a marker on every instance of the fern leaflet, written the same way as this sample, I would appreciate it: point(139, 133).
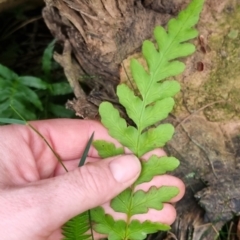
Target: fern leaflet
point(77, 228)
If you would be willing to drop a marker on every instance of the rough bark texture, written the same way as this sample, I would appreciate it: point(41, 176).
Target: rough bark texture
point(103, 33)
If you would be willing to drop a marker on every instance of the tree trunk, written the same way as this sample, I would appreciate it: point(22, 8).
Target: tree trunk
point(101, 34)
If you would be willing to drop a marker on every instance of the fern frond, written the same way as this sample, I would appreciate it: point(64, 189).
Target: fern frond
point(16, 93)
point(151, 107)
point(77, 228)
point(153, 104)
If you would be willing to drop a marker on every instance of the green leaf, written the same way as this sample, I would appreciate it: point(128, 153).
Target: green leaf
point(22, 107)
point(33, 82)
point(107, 149)
point(163, 90)
point(151, 115)
point(12, 121)
point(156, 112)
point(105, 224)
point(117, 126)
point(60, 88)
point(154, 198)
point(4, 94)
point(7, 73)
point(155, 138)
point(122, 202)
point(156, 166)
point(47, 58)
point(4, 106)
point(60, 111)
point(20, 96)
point(29, 95)
point(131, 102)
point(77, 228)
point(140, 76)
point(139, 230)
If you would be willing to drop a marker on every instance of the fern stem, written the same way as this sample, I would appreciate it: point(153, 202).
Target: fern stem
point(54, 153)
point(41, 136)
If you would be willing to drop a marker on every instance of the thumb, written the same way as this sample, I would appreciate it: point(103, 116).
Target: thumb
point(96, 183)
point(54, 201)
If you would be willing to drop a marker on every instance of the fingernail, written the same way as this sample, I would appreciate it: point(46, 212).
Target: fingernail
point(125, 168)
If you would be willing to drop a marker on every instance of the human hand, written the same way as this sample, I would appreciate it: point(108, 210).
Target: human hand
point(36, 195)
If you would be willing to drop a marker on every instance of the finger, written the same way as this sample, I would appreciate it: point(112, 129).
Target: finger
point(48, 204)
point(68, 137)
point(158, 181)
point(72, 164)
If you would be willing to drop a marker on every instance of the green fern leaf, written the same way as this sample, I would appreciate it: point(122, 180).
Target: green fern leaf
point(23, 107)
point(47, 58)
point(77, 228)
point(151, 114)
point(156, 166)
point(60, 88)
point(28, 94)
point(154, 198)
point(141, 201)
point(6, 73)
point(122, 203)
point(105, 224)
point(154, 138)
point(107, 149)
point(16, 93)
point(163, 90)
point(139, 230)
point(117, 126)
point(33, 82)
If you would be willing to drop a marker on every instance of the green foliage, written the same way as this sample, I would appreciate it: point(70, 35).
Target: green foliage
point(30, 95)
point(16, 93)
point(77, 228)
point(116, 230)
point(153, 104)
point(139, 201)
point(12, 121)
point(156, 166)
point(106, 149)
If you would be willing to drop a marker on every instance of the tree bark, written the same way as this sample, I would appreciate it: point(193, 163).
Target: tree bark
point(102, 33)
